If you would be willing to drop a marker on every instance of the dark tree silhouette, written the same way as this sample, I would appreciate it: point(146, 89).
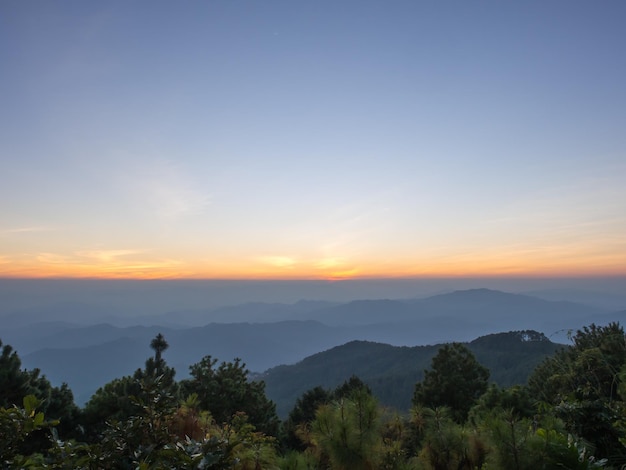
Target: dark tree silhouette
point(226, 390)
point(158, 344)
point(456, 380)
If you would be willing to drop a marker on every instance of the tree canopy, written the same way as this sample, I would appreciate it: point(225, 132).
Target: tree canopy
point(226, 390)
point(455, 380)
point(571, 415)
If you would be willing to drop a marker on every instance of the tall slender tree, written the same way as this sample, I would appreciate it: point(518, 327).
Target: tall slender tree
point(158, 344)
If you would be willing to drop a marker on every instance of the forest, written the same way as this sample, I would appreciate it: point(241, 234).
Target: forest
point(570, 413)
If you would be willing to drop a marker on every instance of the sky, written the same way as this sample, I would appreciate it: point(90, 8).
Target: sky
point(306, 139)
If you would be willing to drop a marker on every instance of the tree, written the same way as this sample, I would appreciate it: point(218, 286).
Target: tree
point(448, 445)
point(588, 370)
point(117, 400)
point(158, 344)
point(226, 390)
point(151, 439)
point(456, 380)
point(516, 399)
point(519, 443)
point(15, 425)
point(157, 367)
point(302, 414)
point(15, 383)
point(56, 402)
point(349, 386)
point(581, 384)
point(347, 432)
point(111, 402)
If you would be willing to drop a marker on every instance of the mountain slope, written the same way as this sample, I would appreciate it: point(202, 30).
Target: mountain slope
point(392, 371)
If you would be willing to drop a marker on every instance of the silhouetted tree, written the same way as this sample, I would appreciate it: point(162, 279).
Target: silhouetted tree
point(456, 380)
point(352, 384)
point(303, 414)
point(56, 402)
point(158, 344)
point(226, 390)
point(118, 400)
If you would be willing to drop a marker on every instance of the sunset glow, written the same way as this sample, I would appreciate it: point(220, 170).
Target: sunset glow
point(233, 140)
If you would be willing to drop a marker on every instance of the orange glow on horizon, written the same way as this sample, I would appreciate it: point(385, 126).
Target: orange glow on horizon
point(375, 272)
point(508, 261)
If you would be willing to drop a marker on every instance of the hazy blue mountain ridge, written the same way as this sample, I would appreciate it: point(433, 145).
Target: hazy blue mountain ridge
point(311, 327)
point(260, 345)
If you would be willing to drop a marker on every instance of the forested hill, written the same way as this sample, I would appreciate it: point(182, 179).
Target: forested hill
point(392, 371)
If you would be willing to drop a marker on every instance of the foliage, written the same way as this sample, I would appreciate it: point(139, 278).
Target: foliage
point(516, 399)
point(303, 413)
point(353, 384)
point(298, 461)
point(15, 425)
point(346, 432)
point(117, 400)
point(456, 380)
point(151, 438)
point(305, 409)
point(226, 390)
point(57, 403)
point(15, 383)
point(586, 371)
point(392, 371)
point(225, 420)
point(112, 402)
point(520, 443)
point(582, 385)
point(448, 445)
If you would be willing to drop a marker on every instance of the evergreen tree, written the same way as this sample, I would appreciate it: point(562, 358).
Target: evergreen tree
point(56, 402)
point(448, 445)
point(227, 390)
point(347, 433)
point(516, 399)
point(158, 344)
point(582, 382)
point(456, 380)
point(352, 384)
point(118, 400)
point(303, 414)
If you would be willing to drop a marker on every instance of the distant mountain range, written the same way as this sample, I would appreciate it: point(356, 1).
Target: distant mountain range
point(56, 339)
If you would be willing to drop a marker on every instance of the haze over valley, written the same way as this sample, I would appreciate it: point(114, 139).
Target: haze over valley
point(87, 332)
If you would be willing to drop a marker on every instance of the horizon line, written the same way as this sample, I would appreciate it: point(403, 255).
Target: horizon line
point(324, 279)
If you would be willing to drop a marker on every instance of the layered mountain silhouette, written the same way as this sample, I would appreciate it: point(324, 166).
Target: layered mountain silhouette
point(62, 345)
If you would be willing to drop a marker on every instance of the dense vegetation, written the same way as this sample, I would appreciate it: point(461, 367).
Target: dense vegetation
point(392, 371)
point(571, 414)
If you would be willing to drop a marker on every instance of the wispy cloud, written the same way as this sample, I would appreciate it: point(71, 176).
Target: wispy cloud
point(166, 188)
point(108, 263)
point(278, 261)
point(330, 263)
point(54, 258)
point(106, 256)
point(32, 229)
point(90, 257)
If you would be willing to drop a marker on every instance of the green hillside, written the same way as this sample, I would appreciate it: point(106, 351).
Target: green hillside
point(392, 371)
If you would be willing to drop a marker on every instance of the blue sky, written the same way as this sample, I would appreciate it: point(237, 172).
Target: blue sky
point(312, 139)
